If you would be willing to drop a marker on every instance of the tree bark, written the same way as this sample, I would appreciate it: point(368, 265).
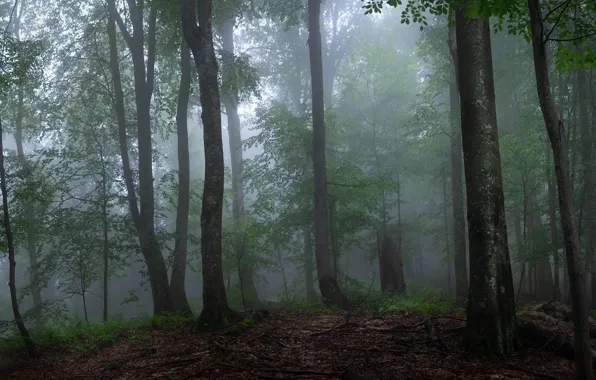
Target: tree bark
point(588, 209)
point(199, 37)
point(592, 201)
point(230, 100)
point(311, 295)
point(446, 233)
point(334, 238)
point(457, 188)
point(556, 134)
point(491, 304)
point(143, 79)
point(553, 230)
point(29, 344)
point(177, 281)
point(329, 288)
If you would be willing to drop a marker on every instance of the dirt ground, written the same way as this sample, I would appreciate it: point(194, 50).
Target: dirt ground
point(298, 345)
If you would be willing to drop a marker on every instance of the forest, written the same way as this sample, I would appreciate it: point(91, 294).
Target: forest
point(298, 189)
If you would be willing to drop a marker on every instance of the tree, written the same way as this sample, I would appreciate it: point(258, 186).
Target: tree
point(232, 78)
point(459, 223)
point(29, 344)
point(558, 140)
point(491, 307)
point(329, 287)
point(199, 37)
point(32, 239)
point(143, 213)
point(177, 285)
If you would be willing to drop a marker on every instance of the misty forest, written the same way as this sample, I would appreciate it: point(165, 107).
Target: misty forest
point(298, 189)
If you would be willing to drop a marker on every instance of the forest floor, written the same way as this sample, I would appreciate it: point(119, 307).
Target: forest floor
point(296, 345)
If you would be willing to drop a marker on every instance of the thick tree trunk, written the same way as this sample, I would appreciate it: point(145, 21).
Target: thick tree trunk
point(29, 344)
point(143, 77)
point(329, 287)
point(556, 134)
point(491, 304)
point(177, 281)
point(457, 188)
point(200, 40)
point(230, 100)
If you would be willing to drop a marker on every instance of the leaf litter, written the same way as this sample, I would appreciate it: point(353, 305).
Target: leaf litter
point(298, 345)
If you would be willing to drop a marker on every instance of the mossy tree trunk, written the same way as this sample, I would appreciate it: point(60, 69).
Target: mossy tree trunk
point(491, 304)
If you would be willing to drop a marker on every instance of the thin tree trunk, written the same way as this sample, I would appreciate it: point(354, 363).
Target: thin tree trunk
point(491, 304)
point(588, 207)
point(446, 233)
point(553, 228)
point(29, 209)
point(106, 241)
point(29, 344)
point(333, 238)
point(556, 134)
point(329, 288)
point(591, 201)
point(311, 295)
point(143, 217)
point(177, 281)
point(200, 40)
point(230, 100)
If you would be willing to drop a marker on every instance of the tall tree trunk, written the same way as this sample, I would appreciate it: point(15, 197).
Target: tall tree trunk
point(556, 134)
point(105, 230)
point(329, 288)
point(143, 217)
point(333, 237)
point(588, 207)
point(491, 304)
point(29, 344)
point(230, 100)
point(177, 281)
point(457, 188)
point(543, 281)
point(200, 40)
point(446, 233)
point(29, 206)
point(591, 202)
point(29, 210)
point(552, 216)
point(311, 295)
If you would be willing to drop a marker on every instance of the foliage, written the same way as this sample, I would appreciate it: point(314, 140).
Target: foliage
point(76, 335)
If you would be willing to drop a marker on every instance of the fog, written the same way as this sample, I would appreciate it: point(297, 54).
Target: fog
point(388, 146)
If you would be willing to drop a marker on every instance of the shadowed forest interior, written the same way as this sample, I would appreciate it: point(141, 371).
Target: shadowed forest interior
point(261, 189)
